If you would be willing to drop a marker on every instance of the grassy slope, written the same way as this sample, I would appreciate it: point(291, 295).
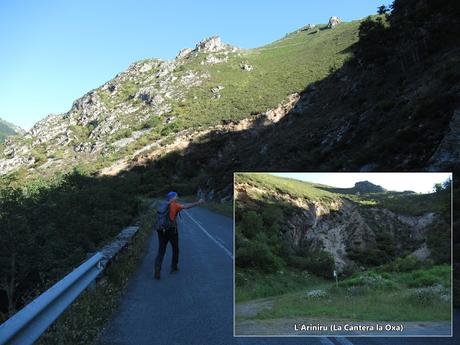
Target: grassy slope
point(295, 188)
point(392, 298)
point(280, 68)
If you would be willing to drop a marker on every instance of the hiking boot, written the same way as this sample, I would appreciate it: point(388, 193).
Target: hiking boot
point(157, 274)
point(174, 269)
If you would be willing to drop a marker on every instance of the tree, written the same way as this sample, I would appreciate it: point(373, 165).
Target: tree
point(442, 186)
point(382, 9)
point(437, 187)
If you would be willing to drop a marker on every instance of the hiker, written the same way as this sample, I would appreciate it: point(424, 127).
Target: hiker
point(166, 226)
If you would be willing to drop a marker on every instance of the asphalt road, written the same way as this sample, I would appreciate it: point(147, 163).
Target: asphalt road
point(195, 306)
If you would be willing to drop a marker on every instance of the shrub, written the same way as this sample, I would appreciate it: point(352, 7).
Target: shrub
point(372, 34)
point(39, 156)
point(152, 122)
point(422, 278)
point(123, 133)
point(272, 215)
point(370, 279)
point(251, 224)
point(319, 262)
point(257, 254)
point(439, 241)
point(419, 297)
point(428, 295)
point(315, 294)
point(409, 263)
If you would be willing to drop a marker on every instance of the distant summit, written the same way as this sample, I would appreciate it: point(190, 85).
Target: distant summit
point(361, 187)
point(367, 187)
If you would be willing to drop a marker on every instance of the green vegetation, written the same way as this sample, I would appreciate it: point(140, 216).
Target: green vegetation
point(122, 133)
point(251, 284)
point(421, 295)
point(58, 220)
point(86, 317)
point(39, 155)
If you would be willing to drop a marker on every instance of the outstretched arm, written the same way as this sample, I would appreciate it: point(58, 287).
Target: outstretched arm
point(193, 204)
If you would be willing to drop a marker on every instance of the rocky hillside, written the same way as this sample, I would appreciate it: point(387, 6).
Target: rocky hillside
point(8, 129)
point(356, 96)
point(357, 231)
point(154, 102)
point(393, 106)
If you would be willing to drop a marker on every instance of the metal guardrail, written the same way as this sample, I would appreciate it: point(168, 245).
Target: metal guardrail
point(29, 323)
point(26, 326)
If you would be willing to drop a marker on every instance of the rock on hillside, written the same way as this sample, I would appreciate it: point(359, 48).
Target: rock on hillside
point(333, 22)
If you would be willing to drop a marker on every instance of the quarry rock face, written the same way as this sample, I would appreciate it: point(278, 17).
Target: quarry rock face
point(333, 22)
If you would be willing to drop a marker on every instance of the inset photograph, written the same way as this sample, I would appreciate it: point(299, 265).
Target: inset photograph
point(343, 254)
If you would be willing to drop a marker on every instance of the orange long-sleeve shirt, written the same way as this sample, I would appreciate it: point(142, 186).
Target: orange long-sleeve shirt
point(174, 208)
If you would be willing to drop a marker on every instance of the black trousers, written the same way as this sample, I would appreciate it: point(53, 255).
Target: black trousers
point(164, 237)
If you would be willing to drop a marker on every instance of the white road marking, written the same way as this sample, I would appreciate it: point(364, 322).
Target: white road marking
point(326, 341)
point(219, 239)
point(343, 341)
point(209, 235)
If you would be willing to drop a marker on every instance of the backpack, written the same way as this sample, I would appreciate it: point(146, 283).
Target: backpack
point(163, 221)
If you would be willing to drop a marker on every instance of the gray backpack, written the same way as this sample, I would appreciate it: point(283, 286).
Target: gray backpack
point(163, 221)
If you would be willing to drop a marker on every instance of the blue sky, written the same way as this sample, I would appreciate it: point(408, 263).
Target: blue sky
point(52, 52)
point(417, 182)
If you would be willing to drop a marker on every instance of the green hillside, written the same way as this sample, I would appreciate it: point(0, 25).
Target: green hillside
point(278, 69)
